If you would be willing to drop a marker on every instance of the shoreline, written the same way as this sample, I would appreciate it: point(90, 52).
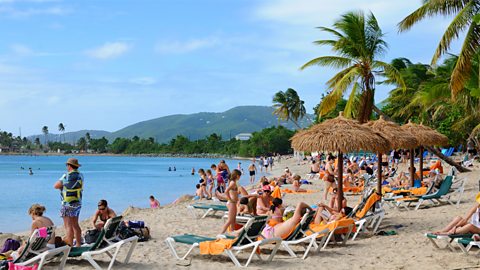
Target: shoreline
point(199, 155)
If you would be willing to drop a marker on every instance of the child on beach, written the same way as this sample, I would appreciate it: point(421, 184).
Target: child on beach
point(232, 198)
point(203, 183)
point(154, 203)
point(210, 182)
point(276, 212)
point(220, 179)
point(198, 193)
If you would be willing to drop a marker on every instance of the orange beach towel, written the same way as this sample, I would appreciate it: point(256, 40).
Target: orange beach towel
point(344, 222)
point(215, 247)
point(295, 192)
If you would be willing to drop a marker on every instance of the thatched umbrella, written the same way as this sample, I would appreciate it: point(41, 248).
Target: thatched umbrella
point(341, 135)
point(397, 137)
point(425, 136)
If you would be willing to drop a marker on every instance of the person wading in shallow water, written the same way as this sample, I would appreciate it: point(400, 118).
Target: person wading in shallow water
point(71, 187)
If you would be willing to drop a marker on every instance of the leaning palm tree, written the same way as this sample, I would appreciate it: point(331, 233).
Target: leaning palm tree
point(358, 43)
point(61, 128)
point(463, 12)
point(45, 132)
point(288, 106)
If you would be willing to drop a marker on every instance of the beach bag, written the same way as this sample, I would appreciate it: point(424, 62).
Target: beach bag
point(91, 236)
point(136, 224)
point(10, 244)
point(125, 231)
point(142, 233)
point(12, 266)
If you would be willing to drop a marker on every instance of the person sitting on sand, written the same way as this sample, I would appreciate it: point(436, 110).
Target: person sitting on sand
point(103, 213)
point(232, 198)
point(154, 203)
point(296, 184)
point(264, 200)
point(463, 225)
point(198, 193)
point(38, 221)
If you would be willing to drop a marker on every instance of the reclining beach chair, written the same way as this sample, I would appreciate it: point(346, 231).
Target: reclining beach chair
point(105, 244)
point(300, 236)
point(447, 240)
point(325, 232)
point(249, 237)
point(435, 197)
point(466, 243)
point(208, 208)
point(36, 251)
point(368, 213)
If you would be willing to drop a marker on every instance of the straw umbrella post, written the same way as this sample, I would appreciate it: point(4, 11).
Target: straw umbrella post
point(339, 135)
point(397, 137)
point(425, 136)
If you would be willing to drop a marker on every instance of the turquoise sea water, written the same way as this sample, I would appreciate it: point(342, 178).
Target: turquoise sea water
point(122, 181)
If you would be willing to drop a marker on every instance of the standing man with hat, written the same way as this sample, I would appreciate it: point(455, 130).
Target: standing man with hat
point(71, 187)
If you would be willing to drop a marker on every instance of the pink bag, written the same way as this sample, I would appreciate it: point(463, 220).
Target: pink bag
point(12, 266)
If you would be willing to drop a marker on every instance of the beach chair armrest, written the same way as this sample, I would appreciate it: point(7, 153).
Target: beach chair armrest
point(48, 254)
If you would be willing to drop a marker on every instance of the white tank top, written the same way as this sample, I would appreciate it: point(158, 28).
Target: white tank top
point(475, 218)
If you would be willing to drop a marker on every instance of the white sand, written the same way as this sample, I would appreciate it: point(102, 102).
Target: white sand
point(407, 250)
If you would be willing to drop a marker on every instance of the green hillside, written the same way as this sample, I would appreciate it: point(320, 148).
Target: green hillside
point(70, 137)
point(194, 126)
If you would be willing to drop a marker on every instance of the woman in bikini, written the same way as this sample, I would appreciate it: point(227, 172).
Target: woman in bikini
point(264, 200)
point(329, 177)
point(276, 212)
point(103, 213)
point(330, 212)
point(463, 225)
point(283, 229)
point(232, 198)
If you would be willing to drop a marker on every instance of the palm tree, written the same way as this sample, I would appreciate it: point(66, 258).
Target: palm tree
point(289, 106)
point(358, 43)
point(45, 132)
point(463, 12)
point(61, 128)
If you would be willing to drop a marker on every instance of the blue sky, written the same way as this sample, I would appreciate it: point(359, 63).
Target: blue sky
point(107, 64)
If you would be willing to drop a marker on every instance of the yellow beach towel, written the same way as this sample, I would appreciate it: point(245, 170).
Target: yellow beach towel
point(215, 247)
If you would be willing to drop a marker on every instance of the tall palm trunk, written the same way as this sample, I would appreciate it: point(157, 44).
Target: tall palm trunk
point(366, 106)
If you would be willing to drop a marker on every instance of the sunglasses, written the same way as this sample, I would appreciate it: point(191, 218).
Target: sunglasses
point(101, 207)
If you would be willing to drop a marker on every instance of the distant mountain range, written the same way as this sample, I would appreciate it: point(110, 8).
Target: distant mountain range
point(242, 119)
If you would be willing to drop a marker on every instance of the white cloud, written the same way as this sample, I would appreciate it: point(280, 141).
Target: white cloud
point(185, 46)
point(109, 50)
point(29, 12)
point(21, 50)
point(145, 81)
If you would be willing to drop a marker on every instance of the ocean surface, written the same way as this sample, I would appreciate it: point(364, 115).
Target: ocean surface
point(122, 181)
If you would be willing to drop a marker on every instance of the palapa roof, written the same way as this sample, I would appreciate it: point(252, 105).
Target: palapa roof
point(425, 136)
point(398, 137)
point(339, 134)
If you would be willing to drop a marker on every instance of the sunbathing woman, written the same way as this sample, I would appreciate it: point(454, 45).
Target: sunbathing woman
point(462, 225)
point(38, 221)
point(296, 184)
point(283, 229)
point(232, 198)
point(330, 212)
point(264, 200)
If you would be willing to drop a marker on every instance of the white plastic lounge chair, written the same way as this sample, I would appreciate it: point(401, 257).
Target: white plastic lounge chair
point(105, 237)
point(36, 251)
point(247, 239)
point(299, 236)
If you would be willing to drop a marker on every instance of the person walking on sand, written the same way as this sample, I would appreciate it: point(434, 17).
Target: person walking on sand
point(252, 169)
point(71, 187)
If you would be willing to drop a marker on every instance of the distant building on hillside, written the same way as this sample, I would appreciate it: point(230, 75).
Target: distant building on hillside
point(243, 136)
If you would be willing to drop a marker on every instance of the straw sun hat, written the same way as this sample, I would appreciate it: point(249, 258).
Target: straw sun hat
point(73, 162)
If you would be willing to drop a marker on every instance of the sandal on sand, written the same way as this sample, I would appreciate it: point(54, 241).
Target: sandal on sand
point(184, 262)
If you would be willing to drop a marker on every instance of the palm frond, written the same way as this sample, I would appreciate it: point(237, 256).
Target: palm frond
point(391, 73)
point(329, 61)
point(352, 101)
point(461, 72)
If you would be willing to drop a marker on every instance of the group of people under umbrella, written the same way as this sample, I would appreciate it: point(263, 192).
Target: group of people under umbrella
point(343, 135)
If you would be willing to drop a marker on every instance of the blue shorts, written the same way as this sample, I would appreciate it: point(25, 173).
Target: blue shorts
point(70, 211)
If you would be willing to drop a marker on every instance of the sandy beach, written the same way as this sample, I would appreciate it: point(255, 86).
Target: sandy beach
point(409, 249)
